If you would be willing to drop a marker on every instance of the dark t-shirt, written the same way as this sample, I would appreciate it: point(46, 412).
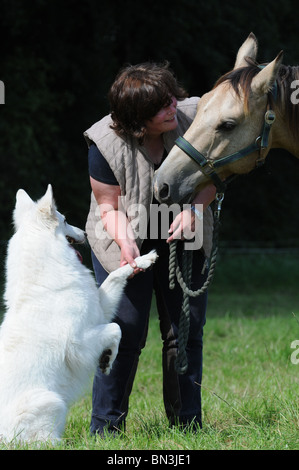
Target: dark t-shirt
point(99, 168)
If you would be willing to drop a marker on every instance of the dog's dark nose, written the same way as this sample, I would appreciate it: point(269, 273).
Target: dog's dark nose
point(164, 193)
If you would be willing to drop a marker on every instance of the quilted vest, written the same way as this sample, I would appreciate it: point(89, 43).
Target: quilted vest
point(134, 172)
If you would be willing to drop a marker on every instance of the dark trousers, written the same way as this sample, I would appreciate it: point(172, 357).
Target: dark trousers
point(181, 393)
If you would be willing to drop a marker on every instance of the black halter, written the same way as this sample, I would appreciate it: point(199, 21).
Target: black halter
point(208, 167)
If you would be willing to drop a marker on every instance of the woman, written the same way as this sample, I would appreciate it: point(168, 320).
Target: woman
point(149, 110)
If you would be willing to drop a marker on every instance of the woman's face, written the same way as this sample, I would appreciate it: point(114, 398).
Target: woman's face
point(165, 120)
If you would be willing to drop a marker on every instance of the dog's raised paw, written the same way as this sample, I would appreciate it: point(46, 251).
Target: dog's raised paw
point(145, 261)
point(104, 361)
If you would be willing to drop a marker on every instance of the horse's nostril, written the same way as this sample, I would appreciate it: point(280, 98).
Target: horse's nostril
point(164, 192)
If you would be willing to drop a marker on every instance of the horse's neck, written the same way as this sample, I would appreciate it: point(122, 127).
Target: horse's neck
point(283, 137)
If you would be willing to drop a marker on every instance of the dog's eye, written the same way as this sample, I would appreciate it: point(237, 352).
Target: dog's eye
point(64, 221)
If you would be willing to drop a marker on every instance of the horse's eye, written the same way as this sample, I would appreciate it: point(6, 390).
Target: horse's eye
point(226, 126)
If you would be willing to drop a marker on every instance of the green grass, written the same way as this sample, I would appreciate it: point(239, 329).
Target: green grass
point(250, 386)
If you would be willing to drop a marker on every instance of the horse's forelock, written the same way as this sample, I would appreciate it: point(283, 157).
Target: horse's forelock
point(240, 79)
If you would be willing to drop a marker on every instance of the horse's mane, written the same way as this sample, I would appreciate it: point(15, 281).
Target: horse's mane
point(241, 78)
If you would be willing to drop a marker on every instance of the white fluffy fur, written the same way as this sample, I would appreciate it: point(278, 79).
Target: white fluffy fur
point(56, 324)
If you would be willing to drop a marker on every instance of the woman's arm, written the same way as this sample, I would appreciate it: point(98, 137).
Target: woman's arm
point(206, 196)
point(115, 221)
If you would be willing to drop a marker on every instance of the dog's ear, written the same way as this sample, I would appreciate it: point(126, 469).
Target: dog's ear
point(23, 199)
point(47, 208)
point(23, 204)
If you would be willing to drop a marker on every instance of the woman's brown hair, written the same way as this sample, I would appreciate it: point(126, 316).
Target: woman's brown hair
point(138, 94)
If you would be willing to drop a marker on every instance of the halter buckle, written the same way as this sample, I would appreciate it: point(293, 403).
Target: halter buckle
point(208, 167)
point(270, 117)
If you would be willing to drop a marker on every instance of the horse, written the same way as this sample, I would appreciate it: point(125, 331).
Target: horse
point(250, 110)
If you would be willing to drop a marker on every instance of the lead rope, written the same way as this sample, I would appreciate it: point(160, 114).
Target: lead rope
point(184, 279)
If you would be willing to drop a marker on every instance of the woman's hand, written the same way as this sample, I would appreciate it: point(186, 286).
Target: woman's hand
point(129, 251)
point(183, 226)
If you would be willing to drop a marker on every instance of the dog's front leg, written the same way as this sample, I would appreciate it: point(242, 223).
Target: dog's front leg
point(104, 341)
point(111, 290)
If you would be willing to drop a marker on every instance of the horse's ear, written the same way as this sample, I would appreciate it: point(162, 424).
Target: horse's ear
point(248, 49)
point(265, 79)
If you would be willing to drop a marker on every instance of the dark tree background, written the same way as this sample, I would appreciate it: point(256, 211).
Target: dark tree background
point(59, 58)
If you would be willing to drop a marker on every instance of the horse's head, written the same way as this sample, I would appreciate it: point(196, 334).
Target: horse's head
point(229, 119)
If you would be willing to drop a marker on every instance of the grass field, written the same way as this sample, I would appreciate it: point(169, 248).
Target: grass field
point(250, 385)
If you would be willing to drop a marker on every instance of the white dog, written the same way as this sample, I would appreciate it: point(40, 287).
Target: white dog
point(56, 326)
